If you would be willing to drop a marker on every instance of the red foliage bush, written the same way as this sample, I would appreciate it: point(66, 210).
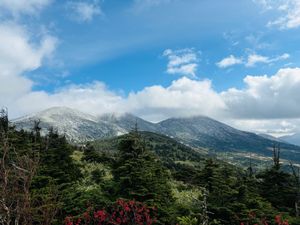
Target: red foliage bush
point(253, 220)
point(121, 213)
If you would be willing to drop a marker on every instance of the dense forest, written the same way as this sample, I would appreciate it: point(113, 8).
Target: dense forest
point(138, 178)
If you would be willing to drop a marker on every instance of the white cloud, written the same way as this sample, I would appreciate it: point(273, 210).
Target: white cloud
point(254, 59)
point(17, 7)
point(229, 61)
point(289, 10)
point(184, 97)
point(274, 127)
point(251, 61)
point(183, 61)
point(94, 98)
point(25, 56)
point(84, 11)
point(267, 104)
point(266, 97)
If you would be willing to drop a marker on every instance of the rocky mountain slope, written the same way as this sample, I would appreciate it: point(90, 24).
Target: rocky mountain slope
point(75, 125)
point(197, 132)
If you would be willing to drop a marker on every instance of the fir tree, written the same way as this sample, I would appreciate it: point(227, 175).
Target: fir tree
point(140, 175)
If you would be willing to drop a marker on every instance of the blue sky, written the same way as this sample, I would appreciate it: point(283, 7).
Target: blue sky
point(231, 57)
point(123, 45)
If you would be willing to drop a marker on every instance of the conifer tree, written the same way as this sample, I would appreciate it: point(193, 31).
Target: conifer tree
point(56, 161)
point(139, 174)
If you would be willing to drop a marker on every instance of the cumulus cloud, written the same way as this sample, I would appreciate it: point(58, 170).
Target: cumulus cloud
point(17, 7)
point(229, 61)
point(266, 97)
point(94, 98)
point(84, 11)
point(289, 11)
point(26, 56)
point(183, 61)
point(184, 97)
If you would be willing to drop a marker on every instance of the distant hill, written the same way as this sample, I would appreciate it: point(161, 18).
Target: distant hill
point(272, 138)
point(196, 132)
point(165, 147)
point(293, 139)
point(209, 133)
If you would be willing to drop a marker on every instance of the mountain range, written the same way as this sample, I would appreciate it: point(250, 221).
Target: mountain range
point(197, 132)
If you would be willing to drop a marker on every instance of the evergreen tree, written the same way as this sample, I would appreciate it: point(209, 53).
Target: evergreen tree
point(278, 186)
point(90, 154)
point(140, 175)
point(56, 162)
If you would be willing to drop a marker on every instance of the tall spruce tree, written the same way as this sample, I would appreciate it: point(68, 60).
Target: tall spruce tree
point(276, 185)
point(56, 161)
point(139, 174)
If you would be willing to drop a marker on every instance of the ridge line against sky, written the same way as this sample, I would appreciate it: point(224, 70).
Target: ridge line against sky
point(234, 61)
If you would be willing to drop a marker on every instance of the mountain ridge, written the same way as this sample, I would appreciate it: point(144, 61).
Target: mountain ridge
point(196, 131)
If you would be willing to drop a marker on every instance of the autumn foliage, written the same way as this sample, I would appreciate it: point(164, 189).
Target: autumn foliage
point(121, 213)
point(253, 220)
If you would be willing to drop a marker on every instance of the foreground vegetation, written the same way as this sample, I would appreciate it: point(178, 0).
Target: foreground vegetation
point(142, 180)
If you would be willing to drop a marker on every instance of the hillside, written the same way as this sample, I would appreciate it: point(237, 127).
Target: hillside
point(197, 132)
point(293, 139)
point(164, 147)
point(219, 137)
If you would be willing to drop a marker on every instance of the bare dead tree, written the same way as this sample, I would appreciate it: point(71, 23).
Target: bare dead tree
point(203, 216)
point(276, 156)
point(205, 212)
point(16, 175)
point(36, 129)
